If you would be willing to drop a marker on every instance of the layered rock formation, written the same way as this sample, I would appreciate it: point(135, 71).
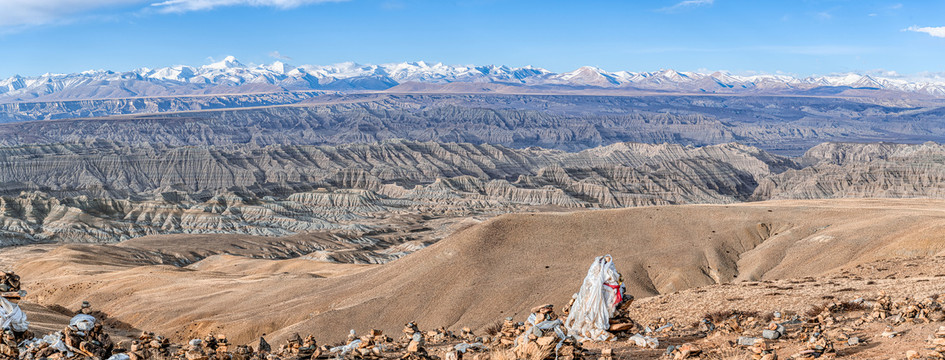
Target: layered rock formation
point(64, 109)
point(862, 170)
point(118, 170)
point(106, 191)
point(103, 192)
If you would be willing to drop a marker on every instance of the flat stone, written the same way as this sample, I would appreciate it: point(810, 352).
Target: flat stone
point(770, 334)
point(746, 341)
point(621, 326)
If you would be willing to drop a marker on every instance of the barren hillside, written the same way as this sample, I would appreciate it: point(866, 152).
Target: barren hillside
point(483, 273)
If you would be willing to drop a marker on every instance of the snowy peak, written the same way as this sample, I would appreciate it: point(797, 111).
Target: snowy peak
point(228, 62)
point(589, 76)
point(174, 73)
point(279, 67)
point(672, 75)
point(229, 75)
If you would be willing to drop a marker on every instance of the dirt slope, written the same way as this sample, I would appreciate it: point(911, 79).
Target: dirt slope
point(499, 268)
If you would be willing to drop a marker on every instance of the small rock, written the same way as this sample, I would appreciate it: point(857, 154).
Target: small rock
point(746, 341)
point(545, 340)
point(889, 334)
point(669, 350)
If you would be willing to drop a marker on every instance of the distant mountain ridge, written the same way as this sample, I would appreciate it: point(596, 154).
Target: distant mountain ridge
point(230, 76)
point(788, 125)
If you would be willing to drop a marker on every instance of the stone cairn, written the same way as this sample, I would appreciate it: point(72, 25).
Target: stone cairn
point(826, 331)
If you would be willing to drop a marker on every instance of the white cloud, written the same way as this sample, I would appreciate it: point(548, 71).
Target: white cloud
point(884, 73)
point(393, 5)
point(178, 6)
point(16, 13)
point(695, 3)
point(277, 55)
point(688, 3)
point(934, 31)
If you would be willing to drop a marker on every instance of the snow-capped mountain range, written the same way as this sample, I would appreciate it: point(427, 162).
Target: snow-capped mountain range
point(230, 76)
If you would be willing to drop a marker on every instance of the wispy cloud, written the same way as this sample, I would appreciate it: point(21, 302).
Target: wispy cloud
point(931, 30)
point(393, 5)
point(20, 13)
point(277, 55)
point(179, 6)
point(687, 4)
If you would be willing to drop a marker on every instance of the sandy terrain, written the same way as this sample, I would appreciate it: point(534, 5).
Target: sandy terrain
point(505, 266)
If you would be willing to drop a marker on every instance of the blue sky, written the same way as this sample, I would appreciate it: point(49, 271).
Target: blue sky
point(800, 37)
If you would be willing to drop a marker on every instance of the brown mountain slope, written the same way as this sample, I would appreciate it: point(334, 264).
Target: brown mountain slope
point(499, 268)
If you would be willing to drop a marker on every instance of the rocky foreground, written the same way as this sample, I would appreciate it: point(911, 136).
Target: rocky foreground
point(681, 263)
point(889, 309)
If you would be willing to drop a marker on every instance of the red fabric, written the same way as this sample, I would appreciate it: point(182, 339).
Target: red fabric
point(619, 295)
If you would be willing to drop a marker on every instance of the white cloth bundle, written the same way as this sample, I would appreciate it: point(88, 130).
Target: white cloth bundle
point(345, 349)
point(82, 322)
point(595, 303)
point(12, 317)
